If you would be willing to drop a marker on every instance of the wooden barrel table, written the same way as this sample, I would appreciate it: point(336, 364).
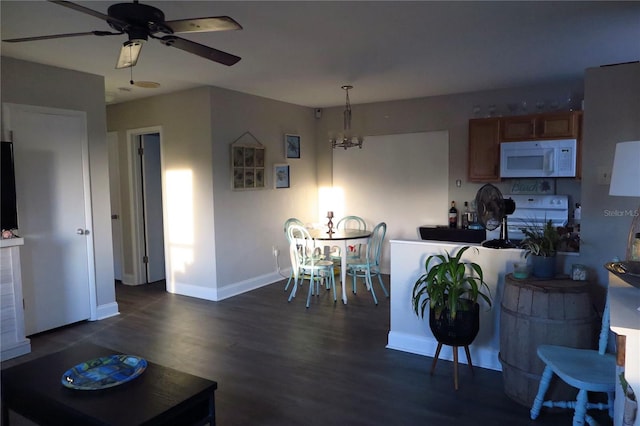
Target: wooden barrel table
point(536, 312)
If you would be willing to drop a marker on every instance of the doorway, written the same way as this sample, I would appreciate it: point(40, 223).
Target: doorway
point(147, 205)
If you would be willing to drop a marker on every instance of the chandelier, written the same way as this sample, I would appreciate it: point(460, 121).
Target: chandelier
point(346, 140)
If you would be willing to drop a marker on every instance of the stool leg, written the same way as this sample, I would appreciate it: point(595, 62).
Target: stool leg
point(435, 358)
point(466, 349)
point(455, 367)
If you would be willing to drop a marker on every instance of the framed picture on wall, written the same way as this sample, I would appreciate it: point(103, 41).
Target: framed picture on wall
point(292, 146)
point(281, 178)
point(247, 165)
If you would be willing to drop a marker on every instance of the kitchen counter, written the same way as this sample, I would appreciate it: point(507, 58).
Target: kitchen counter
point(410, 333)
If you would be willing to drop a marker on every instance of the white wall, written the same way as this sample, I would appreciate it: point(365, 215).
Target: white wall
point(383, 182)
point(222, 244)
point(35, 84)
point(249, 223)
point(611, 115)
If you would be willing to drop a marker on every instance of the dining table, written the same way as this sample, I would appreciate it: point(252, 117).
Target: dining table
point(343, 237)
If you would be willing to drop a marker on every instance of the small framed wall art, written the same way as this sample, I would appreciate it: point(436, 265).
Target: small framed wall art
point(281, 178)
point(292, 146)
point(247, 164)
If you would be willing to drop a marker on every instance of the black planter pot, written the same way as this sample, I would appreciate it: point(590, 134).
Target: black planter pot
point(459, 332)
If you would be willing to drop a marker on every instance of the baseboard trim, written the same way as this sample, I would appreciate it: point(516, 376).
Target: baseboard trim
point(217, 294)
point(107, 310)
point(480, 356)
point(15, 350)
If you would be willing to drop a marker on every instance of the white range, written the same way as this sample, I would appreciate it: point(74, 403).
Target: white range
point(536, 210)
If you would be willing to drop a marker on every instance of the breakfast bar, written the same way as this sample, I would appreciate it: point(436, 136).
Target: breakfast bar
point(410, 333)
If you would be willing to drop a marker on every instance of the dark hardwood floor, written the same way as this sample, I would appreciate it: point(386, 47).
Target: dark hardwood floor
point(278, 363)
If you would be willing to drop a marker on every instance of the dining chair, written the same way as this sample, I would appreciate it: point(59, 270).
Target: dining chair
point(587, 370)
point(308, 263)
point(287, 223)
point(369, 265)
point(349, 222)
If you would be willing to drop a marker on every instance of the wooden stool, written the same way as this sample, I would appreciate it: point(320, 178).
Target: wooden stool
point(455, 362)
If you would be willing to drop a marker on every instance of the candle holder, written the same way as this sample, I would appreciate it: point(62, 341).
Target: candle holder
point(330, 225)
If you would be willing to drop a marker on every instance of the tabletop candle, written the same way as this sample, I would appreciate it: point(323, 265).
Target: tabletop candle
point(330, 214)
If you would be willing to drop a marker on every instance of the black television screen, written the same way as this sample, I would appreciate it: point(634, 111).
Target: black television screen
point(8, 208)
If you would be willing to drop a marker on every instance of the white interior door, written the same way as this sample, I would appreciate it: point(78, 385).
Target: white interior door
point(53, 197)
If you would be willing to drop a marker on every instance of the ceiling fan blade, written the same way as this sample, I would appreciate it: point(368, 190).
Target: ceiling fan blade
point(88, 11)
point(200, 50)
point(49, 37)
point(214, 23)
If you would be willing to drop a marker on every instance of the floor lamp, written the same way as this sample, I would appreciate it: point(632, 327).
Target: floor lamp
point(625, 181)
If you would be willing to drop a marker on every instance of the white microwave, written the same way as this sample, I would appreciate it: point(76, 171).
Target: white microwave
point(530, 159)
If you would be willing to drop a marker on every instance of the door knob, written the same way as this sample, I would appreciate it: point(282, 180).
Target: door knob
point(81, 231)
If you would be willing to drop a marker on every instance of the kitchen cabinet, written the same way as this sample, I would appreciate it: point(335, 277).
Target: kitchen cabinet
point(484, 150)
point(553, 125)
point(486, 134)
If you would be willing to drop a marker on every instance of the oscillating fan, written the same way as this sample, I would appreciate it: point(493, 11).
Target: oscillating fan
point(493, 210)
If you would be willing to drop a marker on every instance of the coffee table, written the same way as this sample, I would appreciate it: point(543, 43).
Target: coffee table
point(160, 396)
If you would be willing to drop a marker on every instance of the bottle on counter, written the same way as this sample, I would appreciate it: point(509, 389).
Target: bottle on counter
point(453, 215)
point(465, 216)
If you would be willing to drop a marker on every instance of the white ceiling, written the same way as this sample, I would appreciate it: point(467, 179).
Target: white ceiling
point(303, 51)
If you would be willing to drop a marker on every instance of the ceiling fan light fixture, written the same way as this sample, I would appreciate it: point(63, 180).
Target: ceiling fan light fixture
point(129, 53)
point(346, 140)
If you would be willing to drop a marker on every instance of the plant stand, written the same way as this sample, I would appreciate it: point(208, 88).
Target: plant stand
point(455, 362)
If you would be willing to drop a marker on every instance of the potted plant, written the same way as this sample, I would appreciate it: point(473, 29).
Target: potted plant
point(451, 288)
point(542, 244)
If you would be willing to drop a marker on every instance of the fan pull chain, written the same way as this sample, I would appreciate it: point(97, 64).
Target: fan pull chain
point(131, 64)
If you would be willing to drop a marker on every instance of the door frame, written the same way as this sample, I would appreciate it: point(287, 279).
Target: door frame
point(7, 109)
point(135, 201)
point(116, 201)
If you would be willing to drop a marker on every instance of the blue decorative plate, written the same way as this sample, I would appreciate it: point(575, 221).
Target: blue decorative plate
point(104, 372)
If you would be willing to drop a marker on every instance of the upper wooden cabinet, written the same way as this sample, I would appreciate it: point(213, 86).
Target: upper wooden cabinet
point(555, 125)
point(485, 135)
point(484, 150)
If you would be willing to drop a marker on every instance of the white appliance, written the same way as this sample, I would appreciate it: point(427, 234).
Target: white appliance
point(529, 159)
point(535, 210)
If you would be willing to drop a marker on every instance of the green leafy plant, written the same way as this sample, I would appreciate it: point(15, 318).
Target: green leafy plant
point(447, 283)
point(626, 388)
point(540, 241)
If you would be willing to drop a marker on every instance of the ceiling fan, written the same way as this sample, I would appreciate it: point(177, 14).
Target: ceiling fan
point(141, 22)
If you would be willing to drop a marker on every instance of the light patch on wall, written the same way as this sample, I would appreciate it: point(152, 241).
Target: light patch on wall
point(180, 206)
point(330, 199)
point(179, 226)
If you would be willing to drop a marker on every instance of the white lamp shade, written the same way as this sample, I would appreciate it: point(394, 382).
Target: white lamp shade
point(625, 176)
